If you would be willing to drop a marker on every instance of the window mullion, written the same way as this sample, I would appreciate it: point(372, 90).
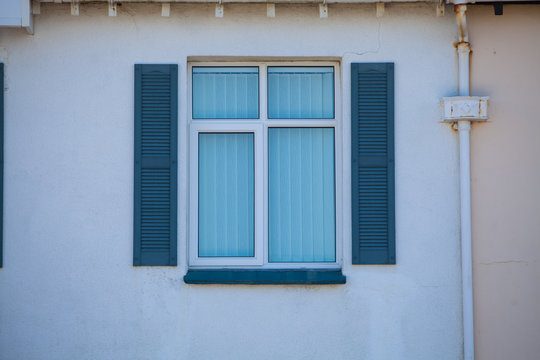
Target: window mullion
point(263, 92)
point(263, 101)
point(260, 200)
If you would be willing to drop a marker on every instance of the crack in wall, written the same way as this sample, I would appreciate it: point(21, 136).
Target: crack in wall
point(368, 51)
point(506, 262)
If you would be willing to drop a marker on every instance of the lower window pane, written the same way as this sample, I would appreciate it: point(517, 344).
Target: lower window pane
point(301, 209)
point(226, 194)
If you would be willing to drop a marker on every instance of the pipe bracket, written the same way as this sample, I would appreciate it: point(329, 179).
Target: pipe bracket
point(472, 108)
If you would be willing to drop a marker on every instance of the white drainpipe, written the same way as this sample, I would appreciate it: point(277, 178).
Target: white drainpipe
point(461, 111)
point(464, 128)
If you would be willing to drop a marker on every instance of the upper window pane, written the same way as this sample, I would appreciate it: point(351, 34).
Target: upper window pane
point(226, 92)
point(300, 92)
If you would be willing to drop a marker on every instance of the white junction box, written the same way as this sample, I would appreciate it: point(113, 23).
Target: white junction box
point(16, 13)
point(472, 108)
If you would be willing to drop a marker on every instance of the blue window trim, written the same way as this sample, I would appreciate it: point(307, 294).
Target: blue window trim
point(265, 276)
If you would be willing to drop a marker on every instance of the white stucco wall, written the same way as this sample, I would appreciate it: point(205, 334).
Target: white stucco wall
point(68, 289)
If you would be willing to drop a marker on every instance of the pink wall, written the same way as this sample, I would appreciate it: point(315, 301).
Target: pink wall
point(505, 65)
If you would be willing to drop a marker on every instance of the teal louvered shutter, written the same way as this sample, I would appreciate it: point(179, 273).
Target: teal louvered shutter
point(1, 160)
point(156, 105)
point(372, 155)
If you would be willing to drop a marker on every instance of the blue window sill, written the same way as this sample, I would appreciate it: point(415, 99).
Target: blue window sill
point(265, 277)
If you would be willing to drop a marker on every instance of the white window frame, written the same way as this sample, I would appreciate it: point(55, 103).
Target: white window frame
point(197, 129)
point(259, 127)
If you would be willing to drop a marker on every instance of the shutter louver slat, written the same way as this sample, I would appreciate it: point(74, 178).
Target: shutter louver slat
point(372, 163)
point(155, 165)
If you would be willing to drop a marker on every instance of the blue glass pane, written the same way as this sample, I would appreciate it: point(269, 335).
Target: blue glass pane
point(226, 194)
point(301, 209)
point(225, 92)
point(301, 92)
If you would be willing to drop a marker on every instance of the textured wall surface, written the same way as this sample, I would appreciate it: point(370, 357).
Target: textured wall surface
point(68, 289)
point(505, 179)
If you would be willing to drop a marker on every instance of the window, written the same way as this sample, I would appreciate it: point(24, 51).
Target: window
point(268, 148)
point(265, 170)
point(263, 165)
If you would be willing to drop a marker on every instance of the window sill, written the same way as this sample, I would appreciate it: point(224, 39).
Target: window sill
point(265, 277)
